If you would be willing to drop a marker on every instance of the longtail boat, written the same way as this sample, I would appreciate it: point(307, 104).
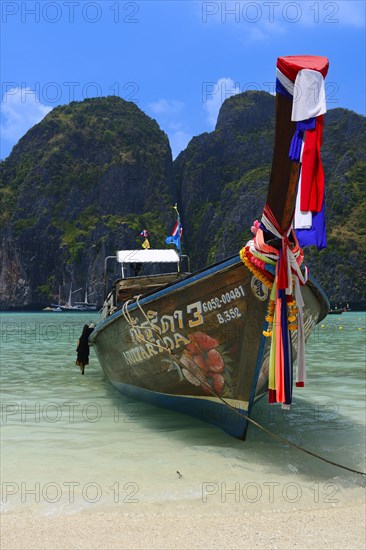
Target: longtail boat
point(211, 343)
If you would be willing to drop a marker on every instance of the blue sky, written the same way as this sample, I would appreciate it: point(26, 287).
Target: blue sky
point(178, 60)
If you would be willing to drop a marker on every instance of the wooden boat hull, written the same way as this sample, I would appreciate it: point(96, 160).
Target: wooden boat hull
point(203, 335)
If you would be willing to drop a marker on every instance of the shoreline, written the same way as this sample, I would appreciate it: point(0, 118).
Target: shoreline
point(325, 528)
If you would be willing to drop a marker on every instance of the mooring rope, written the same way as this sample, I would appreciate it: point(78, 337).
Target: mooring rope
point(135, 326)
point(283, 440)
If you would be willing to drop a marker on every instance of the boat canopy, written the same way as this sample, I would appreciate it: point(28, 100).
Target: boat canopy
point(147, 256)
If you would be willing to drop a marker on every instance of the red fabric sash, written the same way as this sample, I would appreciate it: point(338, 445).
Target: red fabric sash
point(290, 65)
point(312, 173)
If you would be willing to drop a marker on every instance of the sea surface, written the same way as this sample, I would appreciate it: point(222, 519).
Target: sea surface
point(72, 443)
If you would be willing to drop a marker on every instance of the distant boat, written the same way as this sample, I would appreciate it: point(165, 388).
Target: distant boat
point(55, 308)
point(211, 343)
point(85, 305)
point(77, 307)
point(336, 311)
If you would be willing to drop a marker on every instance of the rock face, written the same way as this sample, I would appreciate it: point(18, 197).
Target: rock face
point(92, 175)
point(222, 180)
point(79, 185)
point(222, 177)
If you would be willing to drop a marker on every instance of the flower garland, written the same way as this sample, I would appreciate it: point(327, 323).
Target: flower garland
point(256, 266)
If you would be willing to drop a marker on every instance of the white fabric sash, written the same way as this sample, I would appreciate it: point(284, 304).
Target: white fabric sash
point(309, 95)
point(303, 220)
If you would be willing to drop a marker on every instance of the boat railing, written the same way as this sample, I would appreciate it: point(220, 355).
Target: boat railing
point(136, 279)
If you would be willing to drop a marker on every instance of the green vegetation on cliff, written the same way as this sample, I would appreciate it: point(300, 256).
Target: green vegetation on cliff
point(74, 189)
point(222, 181)
point(91, 175)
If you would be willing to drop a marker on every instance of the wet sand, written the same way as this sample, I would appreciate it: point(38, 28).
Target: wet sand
point(331, 528)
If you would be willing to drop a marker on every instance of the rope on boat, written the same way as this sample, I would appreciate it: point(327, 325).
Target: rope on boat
point(141, 338)
point(135, 326)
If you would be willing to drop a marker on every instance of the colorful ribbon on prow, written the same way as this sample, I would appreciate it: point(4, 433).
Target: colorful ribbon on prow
point(300, 80)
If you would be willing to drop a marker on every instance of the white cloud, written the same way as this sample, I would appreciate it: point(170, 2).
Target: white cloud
point(20, 110)
point(166, 107)
point(168, 114)
point(178, 141)
point(214, 94)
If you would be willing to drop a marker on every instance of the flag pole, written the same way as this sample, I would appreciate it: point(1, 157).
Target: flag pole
point(180, 244)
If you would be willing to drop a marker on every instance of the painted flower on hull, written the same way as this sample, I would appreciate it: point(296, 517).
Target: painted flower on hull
point(204, 364)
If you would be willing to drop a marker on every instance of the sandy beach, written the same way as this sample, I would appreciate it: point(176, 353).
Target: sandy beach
point(331, 528)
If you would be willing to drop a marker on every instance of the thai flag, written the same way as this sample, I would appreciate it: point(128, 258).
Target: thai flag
point(176, 235)
point(178, 229)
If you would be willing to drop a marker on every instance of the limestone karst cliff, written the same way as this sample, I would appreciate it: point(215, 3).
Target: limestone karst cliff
point(91, 175)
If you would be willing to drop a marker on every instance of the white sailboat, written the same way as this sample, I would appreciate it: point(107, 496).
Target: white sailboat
point(77, 306)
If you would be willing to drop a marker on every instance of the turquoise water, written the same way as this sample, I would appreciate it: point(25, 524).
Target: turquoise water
point(71, 443)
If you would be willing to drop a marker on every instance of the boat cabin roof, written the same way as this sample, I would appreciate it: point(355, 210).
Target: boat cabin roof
point(147, 256)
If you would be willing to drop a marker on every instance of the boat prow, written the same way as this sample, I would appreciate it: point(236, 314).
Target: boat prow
point(196, 344)
point(211, 343)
